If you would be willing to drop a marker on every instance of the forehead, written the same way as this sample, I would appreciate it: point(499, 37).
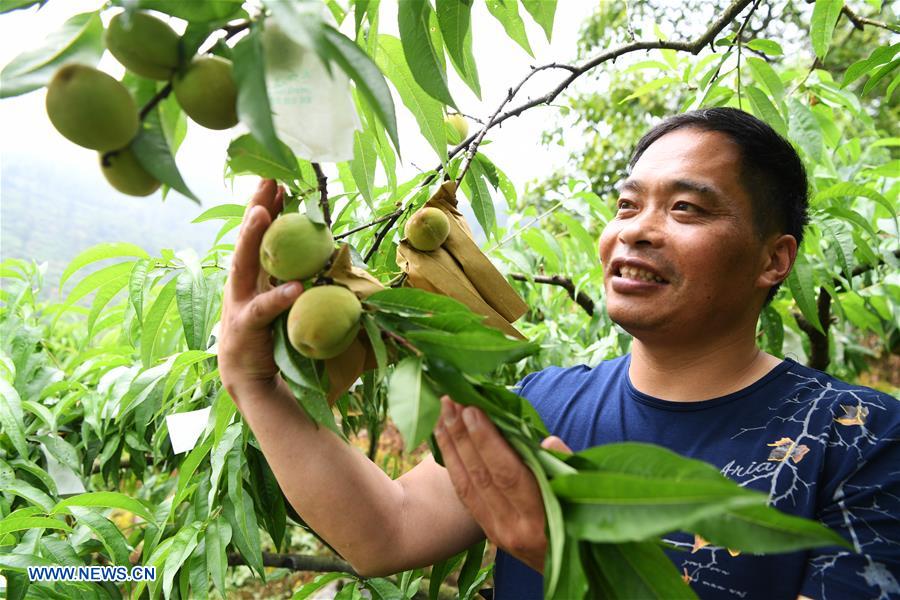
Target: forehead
point(705, 156)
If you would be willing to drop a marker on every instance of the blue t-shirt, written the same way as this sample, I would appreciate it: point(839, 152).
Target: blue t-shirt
point(819, 447)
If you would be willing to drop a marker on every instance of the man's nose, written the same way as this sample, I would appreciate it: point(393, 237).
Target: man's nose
point(643, 228)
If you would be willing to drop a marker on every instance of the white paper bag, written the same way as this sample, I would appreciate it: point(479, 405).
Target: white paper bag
point(313, 111)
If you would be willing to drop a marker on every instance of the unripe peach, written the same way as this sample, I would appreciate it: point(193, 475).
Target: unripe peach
point(427, 229)
point(324, 321)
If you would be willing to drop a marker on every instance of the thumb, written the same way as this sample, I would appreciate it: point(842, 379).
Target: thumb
point(263, 309)
point(554, 443)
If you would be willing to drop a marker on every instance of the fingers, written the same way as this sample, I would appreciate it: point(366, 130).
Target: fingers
point(263, 309)
point(245, 260)
point(554, 443)
point(269, 196)
point(494, 471)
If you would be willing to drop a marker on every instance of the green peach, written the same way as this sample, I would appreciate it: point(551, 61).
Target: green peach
point(144, 45)
point(427, 229)
point(92, 109)
point(324, 321)
point(293, 247)
point(207, 93)
point(123, 171)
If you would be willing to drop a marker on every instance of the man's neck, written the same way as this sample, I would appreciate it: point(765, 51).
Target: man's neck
point(698, 373)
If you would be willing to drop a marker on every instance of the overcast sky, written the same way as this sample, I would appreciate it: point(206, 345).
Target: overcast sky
point(501, 64)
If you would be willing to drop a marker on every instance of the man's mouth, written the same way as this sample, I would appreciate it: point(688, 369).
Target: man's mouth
point(639, 274)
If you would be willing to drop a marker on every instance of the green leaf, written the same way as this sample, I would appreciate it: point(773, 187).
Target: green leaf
point(769, 47)
point(154, 154)
point(222, 211)
point(12, 523)
point(482, 204)
point(824, 18)
point(315, 585)
point(763, 530)
point(542, 11)
point(472, 351)
point(195, 10)
point(765, 110)
point(11, 417)
point(802, 286)
point(427, 111)
point(766, 75)
point(374, 334)
point(182, 546)
point(407, 302)
point(640, 570)
point(136, 286)
point(247, 156)
point(773, 327)
point(61, 450)
point(218, 536)
point(102, 298)
point(507, 13)
point(611, 507)
point(879, 74)
point(852, 191)
point(412, 404)
point(192, 297)
point(383, 589)
point(17, 487)
point(79, 40)
point(98, 279)
point(439, 573)
point(253, 106)
point(153, 323)
point(367, 77)
point(425, 64)
point(106, 500)
point(804, 130)
point(878, 57)
point(11, 5)
point(650, 86)
point(242, 515)
point(471, 566)
point(100, 252)
point(364, 163)
point(454, 18)
point(109, 535)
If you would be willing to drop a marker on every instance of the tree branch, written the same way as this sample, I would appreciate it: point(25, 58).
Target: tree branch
point(860, 22)
point(323, 193)
point(818, 341)
point(297, 562)
point(694, 47)
point(582, 299)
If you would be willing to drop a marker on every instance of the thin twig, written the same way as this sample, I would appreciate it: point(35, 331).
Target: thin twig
point(403, 342)
point(323, 193)
point(582, 299)
point(740, 44)
point(382, 219)
point(156, 99)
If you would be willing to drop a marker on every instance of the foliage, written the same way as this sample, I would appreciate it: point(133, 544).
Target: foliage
point(87, 386)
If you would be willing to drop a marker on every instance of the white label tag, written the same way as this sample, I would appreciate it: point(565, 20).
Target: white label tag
point(185, 428)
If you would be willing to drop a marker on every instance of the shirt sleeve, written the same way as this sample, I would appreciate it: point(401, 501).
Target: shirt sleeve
point(860, 500)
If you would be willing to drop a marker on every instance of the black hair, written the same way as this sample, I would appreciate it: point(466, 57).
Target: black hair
point(771, 171)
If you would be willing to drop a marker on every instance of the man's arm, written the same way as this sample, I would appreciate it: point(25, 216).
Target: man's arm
point(379, 525)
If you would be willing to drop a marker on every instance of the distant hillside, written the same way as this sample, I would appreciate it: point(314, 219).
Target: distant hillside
point(51, 212)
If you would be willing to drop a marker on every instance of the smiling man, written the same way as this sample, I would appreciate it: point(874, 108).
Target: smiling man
point(707, 226)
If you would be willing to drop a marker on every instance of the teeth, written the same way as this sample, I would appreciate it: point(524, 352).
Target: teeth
point(635, 273)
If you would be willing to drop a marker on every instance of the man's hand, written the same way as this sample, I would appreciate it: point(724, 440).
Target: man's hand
point(250, 304)
point(493, 483)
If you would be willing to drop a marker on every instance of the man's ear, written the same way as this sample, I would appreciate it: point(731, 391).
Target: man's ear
point(778, 258)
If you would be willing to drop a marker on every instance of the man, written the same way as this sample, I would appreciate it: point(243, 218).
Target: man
point(707, 226)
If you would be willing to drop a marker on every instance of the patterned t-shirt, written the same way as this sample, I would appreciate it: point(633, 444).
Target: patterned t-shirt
point(819, 447)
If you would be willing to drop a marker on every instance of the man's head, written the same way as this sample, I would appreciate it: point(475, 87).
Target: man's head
point(771, 171)
point(714, 204)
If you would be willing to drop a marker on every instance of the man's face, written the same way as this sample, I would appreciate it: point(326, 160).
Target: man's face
point(684, 214)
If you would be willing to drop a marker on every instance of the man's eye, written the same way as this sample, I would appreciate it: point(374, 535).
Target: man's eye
point(622, 203)
point(687, 206)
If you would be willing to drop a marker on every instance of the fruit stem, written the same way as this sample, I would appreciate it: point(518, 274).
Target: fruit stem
point(323, 193)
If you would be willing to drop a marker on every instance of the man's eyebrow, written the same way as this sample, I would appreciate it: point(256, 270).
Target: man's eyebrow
point(679, 185)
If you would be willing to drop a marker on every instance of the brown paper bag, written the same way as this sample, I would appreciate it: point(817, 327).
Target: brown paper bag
point(460, 270)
